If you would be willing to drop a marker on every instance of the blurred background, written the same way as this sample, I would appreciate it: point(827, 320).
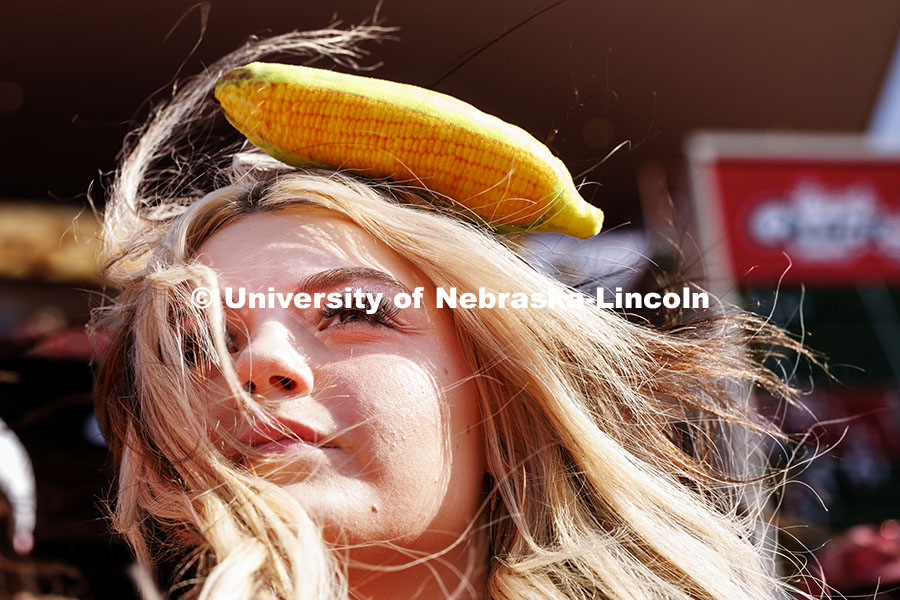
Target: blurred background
point(754, 143)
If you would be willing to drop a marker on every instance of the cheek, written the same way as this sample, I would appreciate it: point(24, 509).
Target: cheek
point(220, 412)
point(414, 447)
point(397, 413)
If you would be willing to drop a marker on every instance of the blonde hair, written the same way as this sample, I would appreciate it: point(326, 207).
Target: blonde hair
point(612, 444)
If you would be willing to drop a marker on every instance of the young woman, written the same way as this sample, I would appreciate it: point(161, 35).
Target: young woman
point(396, 451)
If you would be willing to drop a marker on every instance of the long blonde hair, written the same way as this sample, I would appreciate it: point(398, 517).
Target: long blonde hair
point(612, 444)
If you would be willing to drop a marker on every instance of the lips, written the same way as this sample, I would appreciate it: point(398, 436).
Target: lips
point(282, 432)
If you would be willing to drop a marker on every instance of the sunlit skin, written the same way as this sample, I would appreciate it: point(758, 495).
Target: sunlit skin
point(389, 399)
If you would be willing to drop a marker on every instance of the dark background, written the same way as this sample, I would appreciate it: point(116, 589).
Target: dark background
point(651, 71)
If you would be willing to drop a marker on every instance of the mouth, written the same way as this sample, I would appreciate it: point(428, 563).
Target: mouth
point(281, 433)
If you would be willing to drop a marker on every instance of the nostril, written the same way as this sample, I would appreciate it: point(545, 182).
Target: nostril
point(286, 383)
point(250, 387)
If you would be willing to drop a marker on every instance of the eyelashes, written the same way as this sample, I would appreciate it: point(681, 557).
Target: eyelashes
point(384, 316)
point(230, 340)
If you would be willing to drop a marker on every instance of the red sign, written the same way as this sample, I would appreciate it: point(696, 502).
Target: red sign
point(804, 210)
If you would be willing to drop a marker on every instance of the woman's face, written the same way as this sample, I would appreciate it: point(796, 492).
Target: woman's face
point(384, 403)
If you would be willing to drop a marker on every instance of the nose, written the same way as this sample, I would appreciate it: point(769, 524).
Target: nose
point(273, 364)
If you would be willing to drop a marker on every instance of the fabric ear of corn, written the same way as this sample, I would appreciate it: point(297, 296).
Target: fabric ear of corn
point(497, 172)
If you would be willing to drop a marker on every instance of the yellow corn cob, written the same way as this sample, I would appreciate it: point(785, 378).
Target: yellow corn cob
point(304, 116)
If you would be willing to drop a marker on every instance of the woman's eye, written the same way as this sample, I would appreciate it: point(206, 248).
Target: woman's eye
point(230, 342)
point(382, 317)
point(353, 316)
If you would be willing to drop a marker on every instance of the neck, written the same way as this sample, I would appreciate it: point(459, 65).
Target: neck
point(459, 573)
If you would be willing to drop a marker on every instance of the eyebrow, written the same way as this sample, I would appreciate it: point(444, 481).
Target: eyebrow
point(333, 278)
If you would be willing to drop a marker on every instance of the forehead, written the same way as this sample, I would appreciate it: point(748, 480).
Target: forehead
point(282, 246)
